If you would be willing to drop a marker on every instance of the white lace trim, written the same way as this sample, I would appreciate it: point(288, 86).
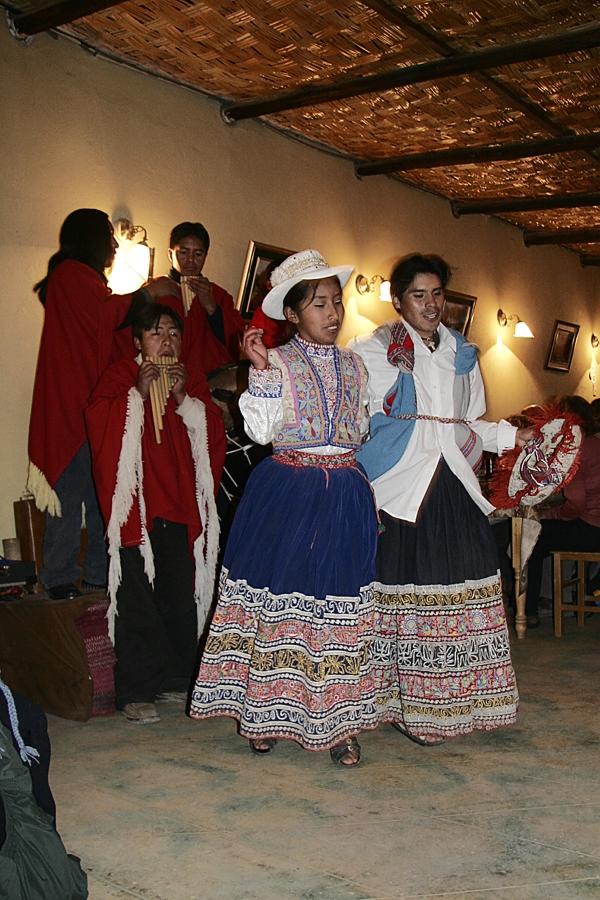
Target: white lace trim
point(206, 546)
point(129, 483)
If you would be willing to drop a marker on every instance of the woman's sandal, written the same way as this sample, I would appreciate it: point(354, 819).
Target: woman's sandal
point(417, 740)
point(346, 754)
point(262, 745)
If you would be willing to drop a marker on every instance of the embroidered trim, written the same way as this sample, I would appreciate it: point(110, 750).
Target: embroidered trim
point(265, 383)
point(321, 461)
point(424, 418)
point(306, 261)
point(313, 349)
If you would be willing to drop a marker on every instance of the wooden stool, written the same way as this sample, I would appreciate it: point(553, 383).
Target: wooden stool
point(580, 607)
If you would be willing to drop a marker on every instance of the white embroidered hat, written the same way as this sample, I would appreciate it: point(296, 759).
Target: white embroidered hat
point(308, 265)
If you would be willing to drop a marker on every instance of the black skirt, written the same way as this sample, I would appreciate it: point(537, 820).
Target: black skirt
point(450, 543)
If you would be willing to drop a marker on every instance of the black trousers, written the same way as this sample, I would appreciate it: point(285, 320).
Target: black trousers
point(556, 534)
point(156, 626)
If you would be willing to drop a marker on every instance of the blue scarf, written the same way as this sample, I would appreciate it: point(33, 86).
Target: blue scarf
point(389, 435)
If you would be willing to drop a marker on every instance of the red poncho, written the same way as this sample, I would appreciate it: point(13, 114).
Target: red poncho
point(75, 348)
point(138, 480)
point(201, 350)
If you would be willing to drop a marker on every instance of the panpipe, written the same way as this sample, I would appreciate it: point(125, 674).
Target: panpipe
point(160, 389)
point(187, 293)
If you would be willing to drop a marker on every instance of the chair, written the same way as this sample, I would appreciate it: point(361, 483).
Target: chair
point(580, 607)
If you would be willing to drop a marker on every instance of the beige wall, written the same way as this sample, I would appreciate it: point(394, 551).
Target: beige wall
point(80, 131)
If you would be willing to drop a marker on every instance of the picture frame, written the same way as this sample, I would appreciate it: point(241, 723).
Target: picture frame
point(562, 346)
point(260, 261)
point(458, 311)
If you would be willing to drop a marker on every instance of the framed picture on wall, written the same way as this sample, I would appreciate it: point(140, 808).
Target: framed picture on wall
point(562, 345)
point(458, 311)
point(261, 259)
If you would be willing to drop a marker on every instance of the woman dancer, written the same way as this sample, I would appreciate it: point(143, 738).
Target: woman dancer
point(288, 650)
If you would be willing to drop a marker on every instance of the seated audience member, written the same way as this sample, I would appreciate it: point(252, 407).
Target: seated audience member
point(29, 728)
point(573, 524)
point(34, 864)
point(157, 499)
point(80, 315)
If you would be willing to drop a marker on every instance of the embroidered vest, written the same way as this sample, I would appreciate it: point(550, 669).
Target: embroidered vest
point(307, 420)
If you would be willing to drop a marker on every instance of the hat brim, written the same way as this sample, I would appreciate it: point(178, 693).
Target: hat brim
point(272, 305)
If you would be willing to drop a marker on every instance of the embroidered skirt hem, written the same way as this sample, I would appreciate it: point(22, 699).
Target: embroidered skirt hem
point(441, 656)
point(289, 666)
point(289, 649)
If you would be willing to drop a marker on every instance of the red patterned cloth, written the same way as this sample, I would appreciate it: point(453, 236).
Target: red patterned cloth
point(93, 628)
point(528, 475)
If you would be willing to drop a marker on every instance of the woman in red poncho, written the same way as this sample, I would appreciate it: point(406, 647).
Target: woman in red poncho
point(80, 317)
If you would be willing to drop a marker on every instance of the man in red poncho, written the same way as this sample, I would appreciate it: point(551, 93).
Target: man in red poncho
point(213, 326)
point(157, 499)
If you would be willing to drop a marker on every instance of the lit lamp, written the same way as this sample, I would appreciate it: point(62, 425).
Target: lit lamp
point(133, 259)
point(377, 283)
point(522, 329)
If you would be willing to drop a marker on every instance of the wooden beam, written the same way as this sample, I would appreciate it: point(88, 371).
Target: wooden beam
point(564, 236)
point(458, 156)
point(27, 24)
point(590, 260)
point(523, 204)
point(437, 42)
point(582, 38)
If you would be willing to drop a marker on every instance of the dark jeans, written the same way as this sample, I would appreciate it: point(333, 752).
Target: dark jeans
point(62, 538)
point(156, 626)
point(556, 534)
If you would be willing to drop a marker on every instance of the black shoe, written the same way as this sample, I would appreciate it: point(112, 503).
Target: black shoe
point(63, 592)
point(88, 588)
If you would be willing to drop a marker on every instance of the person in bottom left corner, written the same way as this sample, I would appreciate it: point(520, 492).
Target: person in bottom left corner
point(156, 490)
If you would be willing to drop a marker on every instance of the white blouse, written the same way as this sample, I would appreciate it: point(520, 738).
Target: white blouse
point(400, 491)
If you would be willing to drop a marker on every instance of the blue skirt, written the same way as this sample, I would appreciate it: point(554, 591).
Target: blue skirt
point(303, 529)
point(289, 649)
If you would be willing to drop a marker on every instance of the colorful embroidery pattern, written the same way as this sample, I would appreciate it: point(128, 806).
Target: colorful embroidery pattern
point(441, 658)
point(289, 666)
point(325, 385)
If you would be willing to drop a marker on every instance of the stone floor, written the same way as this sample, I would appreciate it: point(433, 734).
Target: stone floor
point(181, 810)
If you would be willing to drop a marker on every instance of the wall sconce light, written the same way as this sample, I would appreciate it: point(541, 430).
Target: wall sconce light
point(377, 283)
point(133, 261)
point(522, 329)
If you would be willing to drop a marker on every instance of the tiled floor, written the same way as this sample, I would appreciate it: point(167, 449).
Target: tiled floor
point(181, 810)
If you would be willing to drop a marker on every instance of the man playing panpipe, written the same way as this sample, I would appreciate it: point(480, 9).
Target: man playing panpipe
point(157, 500)
point(213, 326)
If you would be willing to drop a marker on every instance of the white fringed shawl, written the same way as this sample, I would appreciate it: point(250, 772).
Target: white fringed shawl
point(129, 488)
